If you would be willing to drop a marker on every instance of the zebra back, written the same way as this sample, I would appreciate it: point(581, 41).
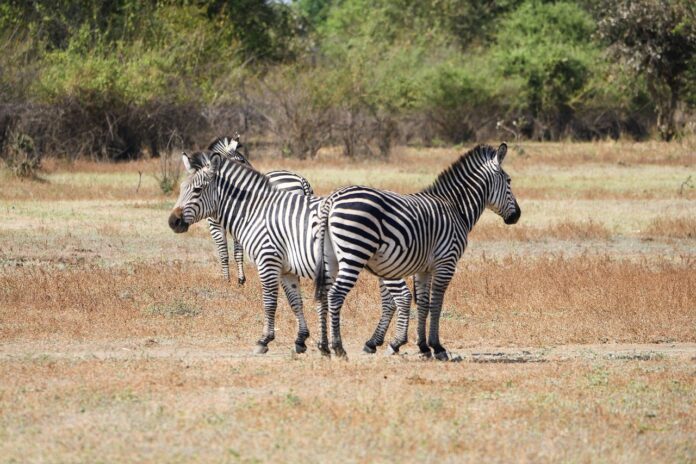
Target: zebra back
point(291, 182)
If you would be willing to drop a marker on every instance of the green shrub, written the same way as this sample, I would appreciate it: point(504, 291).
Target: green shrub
point(547, 48)
point(21, 156)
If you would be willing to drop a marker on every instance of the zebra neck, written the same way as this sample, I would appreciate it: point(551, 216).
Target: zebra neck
point(243, 195)
point(466, 190)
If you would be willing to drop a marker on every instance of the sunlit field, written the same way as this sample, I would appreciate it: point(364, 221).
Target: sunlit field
point(572, 334)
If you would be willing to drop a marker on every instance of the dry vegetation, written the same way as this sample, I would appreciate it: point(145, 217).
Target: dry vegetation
point(514, 301)
point(576, 329)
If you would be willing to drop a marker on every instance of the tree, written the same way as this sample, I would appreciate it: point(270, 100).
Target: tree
point(658, 39)
point(548, 49)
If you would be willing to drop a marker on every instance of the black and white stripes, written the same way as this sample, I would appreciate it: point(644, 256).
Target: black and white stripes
point(277, 229)
point(283, 180)
point(395, 236)
point(288, 236)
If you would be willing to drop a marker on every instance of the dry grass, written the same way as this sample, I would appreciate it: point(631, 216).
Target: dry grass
point(565, 230)
point(314, 410)
point(618, 170)
point(119, 342)
point(672, 227)
point(517, 301)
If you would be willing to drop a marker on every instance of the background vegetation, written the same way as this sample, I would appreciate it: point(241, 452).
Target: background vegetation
point(117, 79)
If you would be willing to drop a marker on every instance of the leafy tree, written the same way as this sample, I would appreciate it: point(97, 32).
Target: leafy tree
point(658, 39)
point(264, 29)
point(315, 11)
point(546, 48)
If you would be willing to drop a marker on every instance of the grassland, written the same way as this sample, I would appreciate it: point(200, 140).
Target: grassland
point(574, 331)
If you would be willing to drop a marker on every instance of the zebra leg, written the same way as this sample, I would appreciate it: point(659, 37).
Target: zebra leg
point(323, 307)
point(344, 283)
point(323, 343)
point(388, 308)
point(239, 259)
point(402, 298)
point(269, 284)
point(220, 239)
point(422, 290)
point(291, 284)
point(441, 281)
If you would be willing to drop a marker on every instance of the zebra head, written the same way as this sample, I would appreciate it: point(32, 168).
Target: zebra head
point(198, 195)
point(501, 200)
point(229, 147)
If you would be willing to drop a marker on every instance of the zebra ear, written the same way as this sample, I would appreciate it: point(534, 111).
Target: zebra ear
point(215, 162)
point(501, 152)
point(187, 162)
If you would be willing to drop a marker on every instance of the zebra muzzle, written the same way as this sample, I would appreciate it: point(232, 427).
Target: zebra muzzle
point(515, 216)
point(176, 221)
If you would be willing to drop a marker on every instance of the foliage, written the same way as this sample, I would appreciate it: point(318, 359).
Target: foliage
point(112, 80)
point(657, 38)
point(294, 105)
point(22, 157)
point(547, 46)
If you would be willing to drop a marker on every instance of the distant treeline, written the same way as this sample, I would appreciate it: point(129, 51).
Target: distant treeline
point(116, 79)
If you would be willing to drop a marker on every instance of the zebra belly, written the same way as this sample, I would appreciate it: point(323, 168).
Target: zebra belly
point(303, 270)
point(396, 267)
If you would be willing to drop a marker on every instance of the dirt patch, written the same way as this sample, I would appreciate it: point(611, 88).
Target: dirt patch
point(149, 348)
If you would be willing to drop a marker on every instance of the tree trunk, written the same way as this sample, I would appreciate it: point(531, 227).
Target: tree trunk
point(665, 114)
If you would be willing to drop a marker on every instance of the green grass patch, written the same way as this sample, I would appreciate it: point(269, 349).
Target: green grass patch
point(170, 310)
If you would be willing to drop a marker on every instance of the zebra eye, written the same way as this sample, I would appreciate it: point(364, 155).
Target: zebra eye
point(197, 189)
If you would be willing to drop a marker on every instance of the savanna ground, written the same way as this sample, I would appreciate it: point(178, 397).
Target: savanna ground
point(574, 331)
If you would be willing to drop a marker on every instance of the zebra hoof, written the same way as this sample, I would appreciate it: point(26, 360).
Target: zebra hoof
point(323, 349)
point(300, 348)
point(260, 349)
point(391, 350)
point(340, 352)
point(425, 352)
point(369, 347)
point(241, 281)
point(441, 356)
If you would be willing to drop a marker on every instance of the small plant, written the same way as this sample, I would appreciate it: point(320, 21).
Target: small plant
point(599, 377)
point(21, 156)
point(292, 400)
point(170, 168)
point(175, 309)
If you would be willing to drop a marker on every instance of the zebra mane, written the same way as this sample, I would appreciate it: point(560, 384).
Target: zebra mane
point(259, 176)
point(227, 146)
point(479, 152)
point(199, 160)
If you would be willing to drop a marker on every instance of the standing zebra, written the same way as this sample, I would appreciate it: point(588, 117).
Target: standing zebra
point(395, 236)
point(283, 180)
point(277, 229)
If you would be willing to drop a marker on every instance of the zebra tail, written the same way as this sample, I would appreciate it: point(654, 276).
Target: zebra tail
point(415, 291)
point(320, 272)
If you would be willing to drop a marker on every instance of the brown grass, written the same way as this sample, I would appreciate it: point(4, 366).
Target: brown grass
point(565, 230)
point(517, 301)
point(409, 170)
point(684, 228)
point(311, 409)
point(119, 341)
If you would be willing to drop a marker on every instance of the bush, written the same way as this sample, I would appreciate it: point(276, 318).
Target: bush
point(548, 47)
point(21, 156)
point(292, 103)
point(458, 101)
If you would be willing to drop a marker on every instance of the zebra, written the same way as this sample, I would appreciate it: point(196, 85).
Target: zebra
point(283, 180)
point(277, 229)
point(395, 235)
